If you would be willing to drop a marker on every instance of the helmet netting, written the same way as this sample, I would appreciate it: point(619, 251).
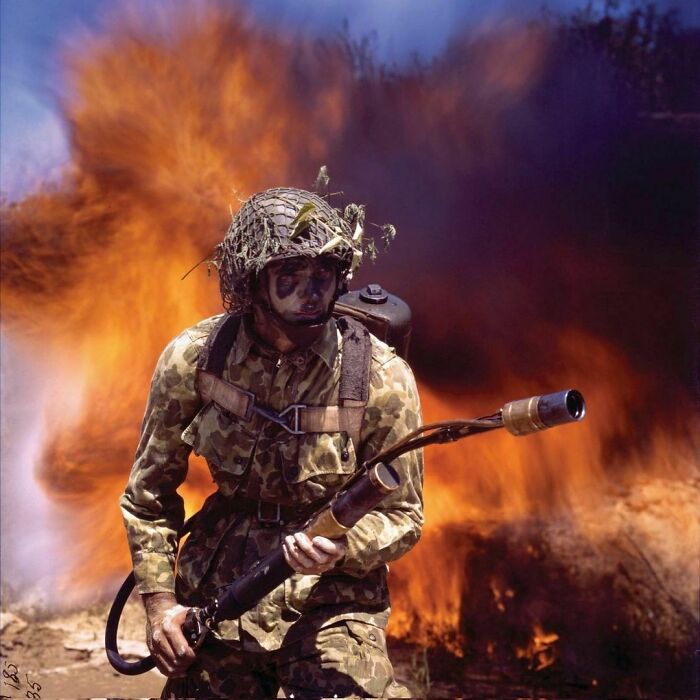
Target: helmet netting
point(274, 224)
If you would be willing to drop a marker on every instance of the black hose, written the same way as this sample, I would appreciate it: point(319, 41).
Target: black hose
point(128, 668)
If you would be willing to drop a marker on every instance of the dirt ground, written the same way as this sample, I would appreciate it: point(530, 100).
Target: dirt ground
point(65, 656)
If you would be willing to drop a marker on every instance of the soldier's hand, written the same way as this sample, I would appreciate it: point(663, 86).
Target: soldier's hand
point(312, 556)
point(168, 646)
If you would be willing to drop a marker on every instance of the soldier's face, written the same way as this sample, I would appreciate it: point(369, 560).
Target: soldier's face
point(301, 289)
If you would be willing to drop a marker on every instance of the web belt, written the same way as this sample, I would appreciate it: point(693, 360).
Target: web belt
point(269, 512)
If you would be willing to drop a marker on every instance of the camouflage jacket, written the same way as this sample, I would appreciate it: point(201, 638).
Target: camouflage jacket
point(259, 459)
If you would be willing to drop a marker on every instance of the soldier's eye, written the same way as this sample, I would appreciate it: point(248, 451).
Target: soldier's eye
point(325, 273)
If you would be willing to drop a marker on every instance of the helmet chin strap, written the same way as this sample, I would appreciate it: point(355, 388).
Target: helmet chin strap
point(301, 333)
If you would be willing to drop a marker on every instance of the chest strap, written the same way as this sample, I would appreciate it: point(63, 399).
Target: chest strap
point(297, 419)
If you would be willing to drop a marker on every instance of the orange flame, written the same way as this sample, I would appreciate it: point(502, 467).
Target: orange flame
point(496, 478)
point(95, 272)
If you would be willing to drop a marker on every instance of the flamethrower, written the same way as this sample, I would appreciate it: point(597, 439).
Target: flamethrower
point(359, 495)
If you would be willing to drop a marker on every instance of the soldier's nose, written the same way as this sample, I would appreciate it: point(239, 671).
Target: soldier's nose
point(312, 291)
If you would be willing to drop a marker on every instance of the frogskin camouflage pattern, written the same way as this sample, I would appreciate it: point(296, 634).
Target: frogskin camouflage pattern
point(346, 659)
point(259, 459)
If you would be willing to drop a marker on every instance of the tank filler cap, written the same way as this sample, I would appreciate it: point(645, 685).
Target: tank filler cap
point(374, 294)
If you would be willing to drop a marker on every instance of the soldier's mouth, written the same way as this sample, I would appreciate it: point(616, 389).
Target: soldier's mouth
point(308, 312)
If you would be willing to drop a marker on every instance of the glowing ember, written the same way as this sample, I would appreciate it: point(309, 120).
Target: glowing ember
point(540, 652)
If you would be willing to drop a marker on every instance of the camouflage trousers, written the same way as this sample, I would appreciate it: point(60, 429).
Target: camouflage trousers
point(347, 659)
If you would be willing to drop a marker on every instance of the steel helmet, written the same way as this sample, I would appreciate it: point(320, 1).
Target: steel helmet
point(283, 223)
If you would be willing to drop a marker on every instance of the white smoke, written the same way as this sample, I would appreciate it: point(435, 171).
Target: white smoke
point(32, 557)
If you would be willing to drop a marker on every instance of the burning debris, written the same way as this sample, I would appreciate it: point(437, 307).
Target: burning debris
point(561, 557)
point(576, 596)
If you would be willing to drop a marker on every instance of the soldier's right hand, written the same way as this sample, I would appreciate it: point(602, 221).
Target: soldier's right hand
point(166, 642)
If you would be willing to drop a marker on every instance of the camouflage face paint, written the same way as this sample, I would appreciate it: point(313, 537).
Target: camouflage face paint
point(302, 289)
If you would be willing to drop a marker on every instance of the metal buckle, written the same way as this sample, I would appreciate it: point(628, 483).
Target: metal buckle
point(251, 403)
point(281, 418)
point(296, 418)
point(271, 521)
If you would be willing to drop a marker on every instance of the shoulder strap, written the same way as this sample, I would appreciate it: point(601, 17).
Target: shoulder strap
point(213, 356)
point(210, 367)
point(355, 362)
point(354, 374)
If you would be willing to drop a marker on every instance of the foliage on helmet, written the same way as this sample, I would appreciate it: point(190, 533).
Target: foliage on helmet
point(284, 223)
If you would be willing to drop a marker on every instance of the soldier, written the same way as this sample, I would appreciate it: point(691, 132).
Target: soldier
point(283, 262)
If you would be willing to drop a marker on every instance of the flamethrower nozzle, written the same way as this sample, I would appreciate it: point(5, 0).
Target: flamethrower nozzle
point(529, 415)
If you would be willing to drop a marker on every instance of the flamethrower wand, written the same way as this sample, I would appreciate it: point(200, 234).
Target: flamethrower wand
point(359, 495)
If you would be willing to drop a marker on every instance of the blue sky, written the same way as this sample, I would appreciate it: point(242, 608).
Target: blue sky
point(32, 136)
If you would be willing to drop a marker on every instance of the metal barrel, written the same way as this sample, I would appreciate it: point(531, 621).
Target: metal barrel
point(332, 521)
point(529, 415)
point(247, 591)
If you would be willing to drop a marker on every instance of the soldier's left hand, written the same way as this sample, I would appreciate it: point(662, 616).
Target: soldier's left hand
point(312, 556)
